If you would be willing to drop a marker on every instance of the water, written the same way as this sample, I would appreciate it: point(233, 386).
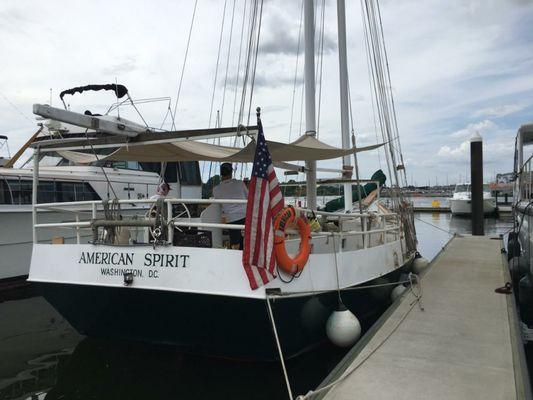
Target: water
point(41, 356)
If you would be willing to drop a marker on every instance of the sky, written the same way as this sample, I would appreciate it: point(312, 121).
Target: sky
point(457, 67)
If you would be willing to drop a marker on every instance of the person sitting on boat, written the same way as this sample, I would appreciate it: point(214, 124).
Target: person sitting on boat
point(161, 192)
point(230, 188)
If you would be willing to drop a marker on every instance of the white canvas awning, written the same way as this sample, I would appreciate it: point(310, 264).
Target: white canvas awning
point(302, 149)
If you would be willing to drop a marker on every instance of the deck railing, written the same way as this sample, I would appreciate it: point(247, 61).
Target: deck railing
point(386, 224)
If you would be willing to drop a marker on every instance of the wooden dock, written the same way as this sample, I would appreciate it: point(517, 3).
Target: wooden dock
point(502, 209)
point(431, 209)
point(464, 344)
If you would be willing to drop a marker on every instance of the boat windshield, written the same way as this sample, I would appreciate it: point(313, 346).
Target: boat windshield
point(462, 188)
point(47, 160)
point(465, 187)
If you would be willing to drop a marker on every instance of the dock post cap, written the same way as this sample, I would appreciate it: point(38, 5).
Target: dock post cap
point(476, 137)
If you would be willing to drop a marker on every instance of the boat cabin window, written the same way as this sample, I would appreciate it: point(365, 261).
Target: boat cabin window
point(5, 197)
point(19, 191)
point(122, 165)
point(188, 172)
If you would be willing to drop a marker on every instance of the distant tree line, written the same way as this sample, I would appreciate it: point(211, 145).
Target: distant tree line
point(299, 188)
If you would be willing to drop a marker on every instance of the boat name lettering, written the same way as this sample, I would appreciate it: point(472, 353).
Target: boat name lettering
point(120, 272)
point(127, 259)
point(166, 260)
point(106, 258)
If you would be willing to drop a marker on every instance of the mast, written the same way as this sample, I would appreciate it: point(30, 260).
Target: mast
point(343, 79)
point(310, 107)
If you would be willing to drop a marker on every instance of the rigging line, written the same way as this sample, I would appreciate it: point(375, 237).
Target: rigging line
point(136, 109)
point(252, 85)
point(184, 62)
point(296, 68)
point(370, 84)
point(238, 68)
point(395, 120)
point(227, 63)
point(302, 105)
point(435, 226)
point(18, 110)
point(321, 63)
point(251, 28)
point(101, 166)
point(169, 111)
point(380, 95)
point(373, 72)
point(218, 60)
point(383, 93)
point(253, 59)
point(382, 84)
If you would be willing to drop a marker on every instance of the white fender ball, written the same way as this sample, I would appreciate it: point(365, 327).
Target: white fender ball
point(419, 265)
point(343, 328)
point(397, 292)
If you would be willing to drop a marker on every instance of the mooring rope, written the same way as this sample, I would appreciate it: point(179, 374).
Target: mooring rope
point(278, 344)
point(436, 227)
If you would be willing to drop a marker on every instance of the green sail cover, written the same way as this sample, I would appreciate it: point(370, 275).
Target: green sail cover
point(338, 203)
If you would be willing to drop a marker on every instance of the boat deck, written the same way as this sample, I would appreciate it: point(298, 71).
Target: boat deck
point(463, 345)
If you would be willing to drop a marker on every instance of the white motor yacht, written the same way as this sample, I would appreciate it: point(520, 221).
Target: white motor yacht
point(460, 203)
point(64, 181)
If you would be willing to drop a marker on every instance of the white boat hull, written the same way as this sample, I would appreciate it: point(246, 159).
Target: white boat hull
point(464, 207)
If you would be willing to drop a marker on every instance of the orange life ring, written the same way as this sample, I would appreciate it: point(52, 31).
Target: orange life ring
point(285, 262)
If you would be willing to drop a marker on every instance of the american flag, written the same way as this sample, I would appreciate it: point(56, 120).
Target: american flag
point(264, 202)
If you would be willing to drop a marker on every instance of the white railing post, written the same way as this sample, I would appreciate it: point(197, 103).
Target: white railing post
point(365, 237)
point(382, 225)
point(170, 226)
point(77, 229)
point(93, 210)
point(35, 186)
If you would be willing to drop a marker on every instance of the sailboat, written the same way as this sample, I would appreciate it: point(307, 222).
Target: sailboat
point(176, 283)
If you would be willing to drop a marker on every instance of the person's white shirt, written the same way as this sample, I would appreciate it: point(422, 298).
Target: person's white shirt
point(232, 189)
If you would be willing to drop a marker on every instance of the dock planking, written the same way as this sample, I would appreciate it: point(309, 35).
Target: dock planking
point(463, 345)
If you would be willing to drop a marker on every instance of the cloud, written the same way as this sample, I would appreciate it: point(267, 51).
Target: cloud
point(481, 127)
point(499, 110)
point(13, 19)
point(283, 35)
point(121, 68)
point(459, 152)
point(286, 43)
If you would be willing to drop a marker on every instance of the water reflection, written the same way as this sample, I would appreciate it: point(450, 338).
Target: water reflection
point(43, 357)
point(435, 229)
point(33, 339)
point(100, 369)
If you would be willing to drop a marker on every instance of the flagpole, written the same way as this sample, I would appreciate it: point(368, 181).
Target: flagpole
point(310, 107)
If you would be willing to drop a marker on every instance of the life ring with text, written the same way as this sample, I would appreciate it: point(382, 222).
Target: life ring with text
point(291, 265)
